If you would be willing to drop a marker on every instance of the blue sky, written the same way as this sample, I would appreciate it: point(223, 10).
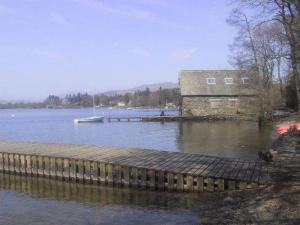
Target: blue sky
point(61, 46)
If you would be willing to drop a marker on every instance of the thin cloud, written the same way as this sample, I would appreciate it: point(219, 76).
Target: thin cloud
point(6, 10)
point(59, 19)
point(129, 10)
point(118, 9)
point(185, 53)
point(96, 5)
point(53, 55)
point(34, 51)
point(142, 52)
point(137, 13)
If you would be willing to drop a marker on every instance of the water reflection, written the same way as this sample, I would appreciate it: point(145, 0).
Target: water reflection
point(85, 193)
point(105, 203)
point(223, 138)
point(240, 139)
point(61, 190)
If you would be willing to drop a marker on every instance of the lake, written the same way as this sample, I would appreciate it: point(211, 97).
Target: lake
point(32, 200)
point(240, 139)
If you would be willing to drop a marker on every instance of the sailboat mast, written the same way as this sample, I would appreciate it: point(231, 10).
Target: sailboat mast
point(94, 104)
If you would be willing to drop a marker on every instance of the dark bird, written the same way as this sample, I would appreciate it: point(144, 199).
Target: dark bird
point(266, 156)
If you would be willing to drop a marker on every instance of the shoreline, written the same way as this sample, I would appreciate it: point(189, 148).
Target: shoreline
point(276, 203)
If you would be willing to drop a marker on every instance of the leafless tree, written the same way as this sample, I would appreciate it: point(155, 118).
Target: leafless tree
point(259, 49)
point(287, 13)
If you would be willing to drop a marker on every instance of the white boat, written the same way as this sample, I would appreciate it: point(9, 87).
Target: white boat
point(91, 119)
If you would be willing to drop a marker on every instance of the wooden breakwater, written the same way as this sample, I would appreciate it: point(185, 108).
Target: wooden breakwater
point(129, 167)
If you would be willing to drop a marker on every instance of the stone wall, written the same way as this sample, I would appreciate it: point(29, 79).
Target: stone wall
point(194, 83)
point(219, 106)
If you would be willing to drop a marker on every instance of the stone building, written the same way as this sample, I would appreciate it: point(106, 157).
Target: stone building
point(216, 93)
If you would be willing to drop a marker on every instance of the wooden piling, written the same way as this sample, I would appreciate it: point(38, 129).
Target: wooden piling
point(138, 168)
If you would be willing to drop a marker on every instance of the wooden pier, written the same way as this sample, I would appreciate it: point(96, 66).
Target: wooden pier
point(176, 118)
point(130, 167)
point(146, 119)
point(124, 119)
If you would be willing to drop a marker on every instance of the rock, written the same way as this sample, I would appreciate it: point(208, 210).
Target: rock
point(229, 200)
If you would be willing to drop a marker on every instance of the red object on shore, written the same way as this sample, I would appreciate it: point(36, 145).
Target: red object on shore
point(283, 128)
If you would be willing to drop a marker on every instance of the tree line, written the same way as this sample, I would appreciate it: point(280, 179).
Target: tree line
point(141, 98)
point(268, 47)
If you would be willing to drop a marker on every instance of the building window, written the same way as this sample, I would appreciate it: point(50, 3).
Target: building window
point(228, 80)
point(246, 80)
point(211, 80)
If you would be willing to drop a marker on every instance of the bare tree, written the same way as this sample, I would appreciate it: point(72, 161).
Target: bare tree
point(258, 50)
point(286, 12)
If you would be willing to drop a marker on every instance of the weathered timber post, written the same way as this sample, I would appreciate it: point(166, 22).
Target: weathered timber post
point(126, 176)
point(28, 164)
point(151, 174)
point(179, 183)
point(199, 187)
point(41, 165)
point(6, 161)
point(221, 186)
point(23, 164)
point(134, 177)
point(95, 173)
point(66, 169)
point(60, 166)
point(52, 167)
point(143, 177)
point(109, 168)
point(170, 182)
point(47, 169)
point(80, 171)
point(160, 180)
point(117, 172)
point(34, 169)
point(11, 167)
point(231, 185)
point(73, 169)
point(87, 171)
point(1, 162)
point(210, 184)
point(102, 173)
point(17, 163)
point(189, 183)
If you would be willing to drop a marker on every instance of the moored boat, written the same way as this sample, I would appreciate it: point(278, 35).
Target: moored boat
point(91, 119)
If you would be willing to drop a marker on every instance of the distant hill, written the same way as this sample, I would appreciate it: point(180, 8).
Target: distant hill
point(152, 87)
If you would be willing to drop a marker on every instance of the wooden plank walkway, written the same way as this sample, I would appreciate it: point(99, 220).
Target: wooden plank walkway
point(130, 167)
point(146, 119)
point(171, 118)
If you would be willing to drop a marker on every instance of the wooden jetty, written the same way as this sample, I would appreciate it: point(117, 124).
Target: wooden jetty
point(146, 119)
point(156, 119)
point(124, 119)
point(130, 167)
point(175, 118)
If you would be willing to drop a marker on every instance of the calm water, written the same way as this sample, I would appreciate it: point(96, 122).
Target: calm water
point(39, 201)
point(43, 201)
point(225, 138)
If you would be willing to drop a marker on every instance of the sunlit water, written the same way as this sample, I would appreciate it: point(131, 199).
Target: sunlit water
point(43, 201)
point(223, 138)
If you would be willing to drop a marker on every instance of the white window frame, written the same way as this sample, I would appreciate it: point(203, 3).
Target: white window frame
point(228, 80)
point(246, 80)
point(208, 80)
